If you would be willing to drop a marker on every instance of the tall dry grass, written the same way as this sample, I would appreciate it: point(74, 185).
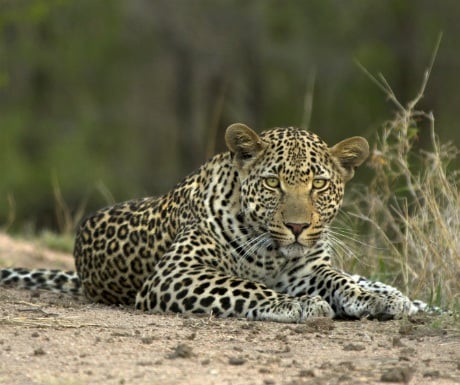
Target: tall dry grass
point(406, 221)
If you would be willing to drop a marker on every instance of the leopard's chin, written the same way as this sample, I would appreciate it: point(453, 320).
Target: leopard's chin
point(295, 249)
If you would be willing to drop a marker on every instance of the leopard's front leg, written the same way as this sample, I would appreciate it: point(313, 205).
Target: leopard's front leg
point(346, 297)
point(184, 284)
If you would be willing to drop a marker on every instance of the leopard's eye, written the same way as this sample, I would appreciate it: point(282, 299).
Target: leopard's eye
point(320, 183)
point(272, 182)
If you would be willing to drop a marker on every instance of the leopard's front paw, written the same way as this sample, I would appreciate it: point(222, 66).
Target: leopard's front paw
point(375, 305)
point(393, 306)
point(292, 309)
point(314, 307)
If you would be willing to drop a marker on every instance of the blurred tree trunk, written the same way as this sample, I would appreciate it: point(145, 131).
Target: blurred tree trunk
point(254, 74)
point(215, 99)
point(40, 81)
point(406, 36)
point(189, 140)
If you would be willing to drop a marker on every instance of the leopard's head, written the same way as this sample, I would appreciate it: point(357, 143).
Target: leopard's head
point(291, 182)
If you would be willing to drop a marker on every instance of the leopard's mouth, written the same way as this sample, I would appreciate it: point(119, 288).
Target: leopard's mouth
point(305, 241)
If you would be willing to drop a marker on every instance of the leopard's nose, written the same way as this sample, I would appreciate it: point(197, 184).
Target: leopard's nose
point(297, 228)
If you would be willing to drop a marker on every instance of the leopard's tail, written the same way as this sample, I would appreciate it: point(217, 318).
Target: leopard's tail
point(46, 279)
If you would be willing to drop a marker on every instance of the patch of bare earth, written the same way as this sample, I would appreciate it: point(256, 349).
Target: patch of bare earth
point(47, 338)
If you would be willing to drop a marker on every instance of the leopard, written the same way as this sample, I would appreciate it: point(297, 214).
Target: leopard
point(245, 235)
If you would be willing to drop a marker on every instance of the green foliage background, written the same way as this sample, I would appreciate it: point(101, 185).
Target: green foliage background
point(129, 96)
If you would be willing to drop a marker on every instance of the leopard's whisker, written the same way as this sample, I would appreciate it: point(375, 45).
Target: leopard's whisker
point(254, 245)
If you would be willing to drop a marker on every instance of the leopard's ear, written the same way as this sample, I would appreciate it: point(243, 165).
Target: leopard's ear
point(244, 144)
point(350, 154)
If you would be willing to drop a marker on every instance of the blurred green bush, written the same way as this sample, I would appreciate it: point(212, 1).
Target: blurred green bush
point(120, 99)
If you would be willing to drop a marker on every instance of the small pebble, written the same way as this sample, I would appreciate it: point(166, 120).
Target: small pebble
point(147, 340)
point(236, 361)
point(307, 373)
point(354, 347)
point(39, 352)
point(181, 351)
point(397, 342)
point(403, 374)
point(432, 374)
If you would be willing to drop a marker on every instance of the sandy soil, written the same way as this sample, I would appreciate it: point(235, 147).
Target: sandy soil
point(48, 338)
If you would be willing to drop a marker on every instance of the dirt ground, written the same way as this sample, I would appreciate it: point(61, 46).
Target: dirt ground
point(53, 339)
